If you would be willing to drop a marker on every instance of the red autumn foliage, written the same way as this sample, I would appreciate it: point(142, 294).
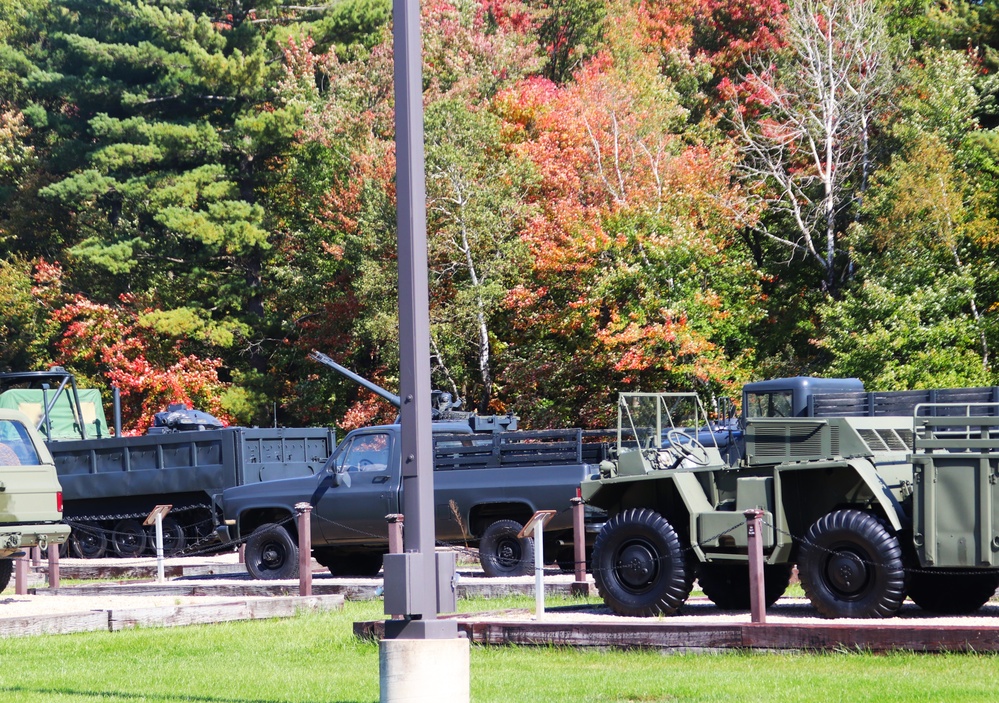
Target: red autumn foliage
point(109, 345)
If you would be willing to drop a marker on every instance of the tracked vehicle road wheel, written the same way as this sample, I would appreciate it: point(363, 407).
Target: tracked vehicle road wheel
point(174, 538)
point(88, 541)
point(639, 565)
point(850, 566)
point(271, 553)
point(952, 592)
point(502, 553)
point(128, 538)
point(727, 585)
point(6, 569)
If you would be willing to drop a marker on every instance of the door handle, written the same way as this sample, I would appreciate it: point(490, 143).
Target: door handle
point(380, 479)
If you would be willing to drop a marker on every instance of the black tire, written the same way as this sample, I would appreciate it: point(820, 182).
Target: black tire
point(727, 584)
point(952, 592)
point(174, 538)
point(128, 539)
point(850, 566)
point(639, 565)
point(364, 564)
point(88, 541)
point(6, 569)
point(502, 553)
point(271, 553)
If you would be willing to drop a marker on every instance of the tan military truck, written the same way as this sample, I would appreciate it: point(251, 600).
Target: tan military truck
point(30, 494)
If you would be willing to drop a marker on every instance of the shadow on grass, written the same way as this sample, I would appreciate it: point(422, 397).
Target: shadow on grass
point(127, 696)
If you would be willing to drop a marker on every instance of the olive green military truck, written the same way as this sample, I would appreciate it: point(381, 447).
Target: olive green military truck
point(871, 507)
point(30, 495)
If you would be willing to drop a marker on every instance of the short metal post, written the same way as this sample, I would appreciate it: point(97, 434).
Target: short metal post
point(21, 575)
point(396, 543)
point(241, 553)
point(160, 576)
point(757, 595)
point(304, 511)
point(579, 587)
point(36, 556)
point(395, 523)
point(53, 566)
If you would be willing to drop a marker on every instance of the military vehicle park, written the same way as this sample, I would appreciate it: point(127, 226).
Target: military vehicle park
point(499, 350)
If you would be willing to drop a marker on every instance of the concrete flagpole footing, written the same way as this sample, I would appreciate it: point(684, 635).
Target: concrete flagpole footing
point(424, 670)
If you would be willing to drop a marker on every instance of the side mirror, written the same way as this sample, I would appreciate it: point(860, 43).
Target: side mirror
point(340, 478)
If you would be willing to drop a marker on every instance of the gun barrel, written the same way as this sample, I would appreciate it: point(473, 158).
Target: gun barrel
point(373, 387)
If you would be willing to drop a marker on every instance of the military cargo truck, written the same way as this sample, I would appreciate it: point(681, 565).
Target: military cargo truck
point(30, 495)
point(111, 482)
point(871, 506)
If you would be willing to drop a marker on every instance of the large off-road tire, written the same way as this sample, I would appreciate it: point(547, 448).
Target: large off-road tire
point(363, 564)
point(850, 566)
point(952, 591)
point(88, 540)
point(639, 565)
point(271, 553)
point(727, 584)
point(128, 539)
point(6, 569)
point(502, 553)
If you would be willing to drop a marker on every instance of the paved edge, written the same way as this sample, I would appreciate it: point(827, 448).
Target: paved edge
point(115, 619)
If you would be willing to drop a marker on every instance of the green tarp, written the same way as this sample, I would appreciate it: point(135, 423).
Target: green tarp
point(62, 418)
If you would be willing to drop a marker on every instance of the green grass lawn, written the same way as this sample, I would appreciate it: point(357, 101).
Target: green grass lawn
point(314, 658)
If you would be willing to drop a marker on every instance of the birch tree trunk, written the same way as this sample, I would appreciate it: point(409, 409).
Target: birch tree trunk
point(806, 154)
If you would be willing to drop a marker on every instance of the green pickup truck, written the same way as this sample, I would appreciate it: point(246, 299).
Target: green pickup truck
point(30, 494)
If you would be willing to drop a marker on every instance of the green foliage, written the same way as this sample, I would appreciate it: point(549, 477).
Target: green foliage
point(905, 337)
point(217, 180)
point(21, 317)
point(569, 32)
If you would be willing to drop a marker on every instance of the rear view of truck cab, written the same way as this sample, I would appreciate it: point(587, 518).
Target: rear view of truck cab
point(30, 494)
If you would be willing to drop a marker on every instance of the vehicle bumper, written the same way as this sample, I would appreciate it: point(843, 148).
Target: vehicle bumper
point(15, 537)
point(222, 533)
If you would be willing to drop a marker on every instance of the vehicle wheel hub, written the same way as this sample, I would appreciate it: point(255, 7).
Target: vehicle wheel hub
point(507, 553)
point(847, 573)
point(636, 565)
point(271, 557)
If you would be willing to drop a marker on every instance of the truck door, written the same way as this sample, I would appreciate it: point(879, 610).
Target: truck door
point(355, 514)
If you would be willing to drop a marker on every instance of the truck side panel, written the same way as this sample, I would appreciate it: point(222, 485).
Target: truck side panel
point(956, 491)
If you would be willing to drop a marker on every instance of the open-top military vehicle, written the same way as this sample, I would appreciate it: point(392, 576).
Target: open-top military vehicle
point(871, 507)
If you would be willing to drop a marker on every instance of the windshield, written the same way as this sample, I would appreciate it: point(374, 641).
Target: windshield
point(775, 404)
point(16, 447)
point(367, 452)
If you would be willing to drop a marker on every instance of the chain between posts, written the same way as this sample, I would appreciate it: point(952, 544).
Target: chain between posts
point(209, 544)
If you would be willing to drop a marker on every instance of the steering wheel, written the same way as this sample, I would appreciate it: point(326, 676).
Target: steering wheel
point(687, 447)
point(363, 464)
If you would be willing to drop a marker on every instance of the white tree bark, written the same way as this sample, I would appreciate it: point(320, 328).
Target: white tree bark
point(807, 153)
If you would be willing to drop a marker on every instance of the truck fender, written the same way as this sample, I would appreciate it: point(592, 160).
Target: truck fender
point(891, 507)
point(865, 472)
